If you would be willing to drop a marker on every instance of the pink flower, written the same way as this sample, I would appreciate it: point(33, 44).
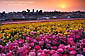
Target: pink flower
point(12, 47)
point(30, 39)
point(34, 32)
point(1, 46)
point(48, 45)
point(41, 42)
point(64, 54)
point(31, 32)
point(32, 54)
point(9, 54)
point(60, 50)
point(55, 55)
point(83, 41)
point(52, 51)
point(40, 51)
point(54, 36)
point(70, 40)
point(27, 38)
point(34, 40)
point(61, 46)
point(73, 52)
point(54, 42)
point(54, 47)
point(47, 41)
point(41, 35)
point(83, 49)
point(32, 44)
point(70, 49)
point(24, 34)
point(79, 55)
point(41, 54)
point(21, 40)
point(37, 47)
point(77, 36)
point(20, 49)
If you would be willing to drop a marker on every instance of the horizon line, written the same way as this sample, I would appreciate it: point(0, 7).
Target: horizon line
point(42, 10)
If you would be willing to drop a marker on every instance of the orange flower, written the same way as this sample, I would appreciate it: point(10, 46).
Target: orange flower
point(1, 35)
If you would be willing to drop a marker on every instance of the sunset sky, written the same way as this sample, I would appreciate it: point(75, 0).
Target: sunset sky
point(46, 5)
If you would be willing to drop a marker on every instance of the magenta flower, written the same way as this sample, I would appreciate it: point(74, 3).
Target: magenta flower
point(70, 40)
point(54, 47)
point(32, 44)
point(38, 39)
point(34, 40)
point(31, 32)
point(52, 51)
point(60, 50)
point(37, 47)
point(73, 52)
point(20, 49)
point(77, 36)
point(24, 34)
point(55, 54)
point(27, 38)
point(83, 49)
point(34, 32)
point(61, 46)
point(9, 54)
point(70, 49)
point(41, 42)
point(32, 54)
point(21, 40)
point(54, 42)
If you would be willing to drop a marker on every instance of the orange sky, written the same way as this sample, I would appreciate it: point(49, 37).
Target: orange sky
point(60, 5)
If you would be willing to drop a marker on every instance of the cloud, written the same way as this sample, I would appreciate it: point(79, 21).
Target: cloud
point(13, 2)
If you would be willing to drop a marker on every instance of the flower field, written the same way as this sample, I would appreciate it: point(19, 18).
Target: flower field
point(61, 38)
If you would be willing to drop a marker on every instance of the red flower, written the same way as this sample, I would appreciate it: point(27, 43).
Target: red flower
point(38, 39)
point(37, 47)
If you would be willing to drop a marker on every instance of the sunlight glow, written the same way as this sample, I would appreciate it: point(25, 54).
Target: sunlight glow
point(63, 6)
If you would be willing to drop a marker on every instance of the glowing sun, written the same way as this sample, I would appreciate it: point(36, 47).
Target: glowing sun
point(63, 6)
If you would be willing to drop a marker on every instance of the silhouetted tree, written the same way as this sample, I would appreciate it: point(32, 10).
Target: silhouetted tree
point(28, 10)
point(40, 12)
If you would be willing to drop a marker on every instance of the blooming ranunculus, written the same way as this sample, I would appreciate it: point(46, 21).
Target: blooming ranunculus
point(54, 47)
point(73, 52)
point(34, 40)
point(61, 46)
point(52, 51)
point(70, 40)
point(9, 54)
point(83, 49)
point(60, 50)
point(55, 54)
point(38, 39)
point(24, 34)
point(37, 47)
point(30, 39)
point(70, 49)
point(21, 40)
point(32, 54)
point(77, 36)
point(41, 42)
point(27, 38)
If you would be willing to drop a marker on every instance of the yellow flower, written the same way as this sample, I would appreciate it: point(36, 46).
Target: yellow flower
point(66, 33)
point(4, 40)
